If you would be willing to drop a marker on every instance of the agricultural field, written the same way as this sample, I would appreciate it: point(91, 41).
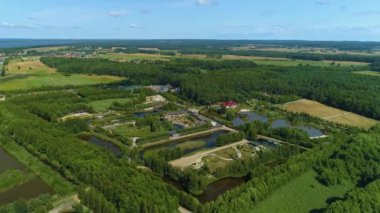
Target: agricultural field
point(302, 194)
point(31, 73)
point(329, 113)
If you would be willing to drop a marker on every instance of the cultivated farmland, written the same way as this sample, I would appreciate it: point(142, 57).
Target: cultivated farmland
point(329, 113)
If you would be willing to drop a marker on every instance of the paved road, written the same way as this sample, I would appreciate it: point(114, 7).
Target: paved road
point(185, 162)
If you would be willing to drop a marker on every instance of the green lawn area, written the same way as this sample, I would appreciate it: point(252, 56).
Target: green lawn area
point(191, 145)
point(103, 105)
point(21, 82)
point(133, 131)
point(302, 194)
point(371, 73)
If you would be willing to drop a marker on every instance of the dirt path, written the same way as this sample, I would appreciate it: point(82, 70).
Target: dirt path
point(187, 136)
point(185, 162)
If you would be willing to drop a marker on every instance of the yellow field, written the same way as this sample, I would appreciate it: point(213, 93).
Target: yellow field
point(31, 73)
point(329, 113)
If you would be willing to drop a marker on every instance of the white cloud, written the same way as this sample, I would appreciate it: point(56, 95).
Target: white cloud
point(134, 26)
point(116, 13)
point(205, 2)
point(13, 25)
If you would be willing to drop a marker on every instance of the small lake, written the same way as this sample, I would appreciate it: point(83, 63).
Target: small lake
point(209, 141)
point(103, 144)
point(247, 117)
point(30, 189)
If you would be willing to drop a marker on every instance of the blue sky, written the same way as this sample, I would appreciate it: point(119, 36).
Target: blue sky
point(193, 19)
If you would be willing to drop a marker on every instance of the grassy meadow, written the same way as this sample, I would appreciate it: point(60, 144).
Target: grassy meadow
point(31, 73)
point(103, 105)
point(303, 194)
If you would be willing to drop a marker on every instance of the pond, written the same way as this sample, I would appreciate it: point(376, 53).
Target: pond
point(311, 131)
point(8, 162)
point(217, 188)
point(214, 189)
point(280, 123)
point(103, 144)
point(30, 189)
point(178, 127)
point(208, 141)
point(247, 117)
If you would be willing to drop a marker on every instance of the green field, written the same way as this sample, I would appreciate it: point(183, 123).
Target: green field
point(103, 105)
point(302, 194)
point(371, 73)
point(21, 75)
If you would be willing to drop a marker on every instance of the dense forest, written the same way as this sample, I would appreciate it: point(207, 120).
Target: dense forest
point(209, 81)
point(118, 186)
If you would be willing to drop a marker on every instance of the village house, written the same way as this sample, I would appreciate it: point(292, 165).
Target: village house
point(230, 104)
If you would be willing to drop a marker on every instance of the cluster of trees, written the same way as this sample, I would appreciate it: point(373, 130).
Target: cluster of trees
point(52, 106)
point(123, 186)
point(39, 205)
point(359, 200)
point(229, 138)
point(357, 160)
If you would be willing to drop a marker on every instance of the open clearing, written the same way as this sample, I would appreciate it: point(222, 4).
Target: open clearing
point(302, 194)
point(31, 73)
point(329, 113)
point(103, 105)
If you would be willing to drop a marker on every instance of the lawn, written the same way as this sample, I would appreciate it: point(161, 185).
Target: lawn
point(302, 194)
point(31, 73)
point(329, 113)
point(103, 105)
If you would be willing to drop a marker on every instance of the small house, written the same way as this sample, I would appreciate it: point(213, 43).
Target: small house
point(2, 97)
point(230, 104)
